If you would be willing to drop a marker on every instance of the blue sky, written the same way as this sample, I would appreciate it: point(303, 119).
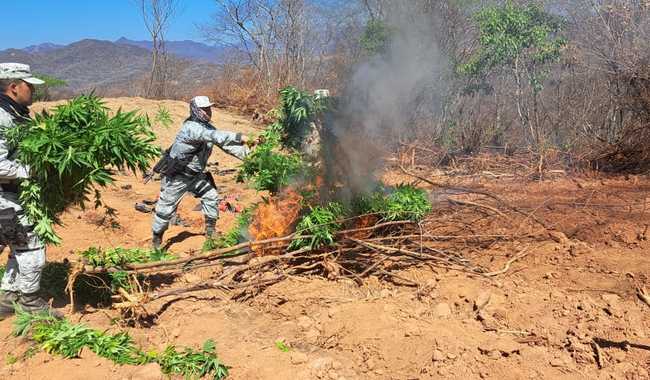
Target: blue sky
point(30, 22)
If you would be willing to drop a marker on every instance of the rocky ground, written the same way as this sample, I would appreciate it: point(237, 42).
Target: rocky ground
point(568, 309)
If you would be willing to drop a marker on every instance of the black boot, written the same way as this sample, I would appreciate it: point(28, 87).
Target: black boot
point(34, 303)
point(7, 301)
point(156, 241)
point(210, 227)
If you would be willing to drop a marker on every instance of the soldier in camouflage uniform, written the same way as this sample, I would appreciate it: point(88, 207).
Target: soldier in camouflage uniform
point(185, 168)
point(21, 281)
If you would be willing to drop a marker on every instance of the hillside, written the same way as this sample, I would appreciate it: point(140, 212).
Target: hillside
point(108, 68)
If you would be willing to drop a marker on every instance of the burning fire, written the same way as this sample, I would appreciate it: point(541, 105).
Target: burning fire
point(275, 218)
point(363, 222)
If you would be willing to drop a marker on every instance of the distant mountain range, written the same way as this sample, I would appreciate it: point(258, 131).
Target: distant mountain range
point(184, 49)
point(42, 48)
point(119, 68)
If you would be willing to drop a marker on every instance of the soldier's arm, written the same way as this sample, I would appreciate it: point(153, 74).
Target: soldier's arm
point(10, 169)
point(230, 142)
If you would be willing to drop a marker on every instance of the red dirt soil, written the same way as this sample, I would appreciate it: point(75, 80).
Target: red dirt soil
point(538, 320)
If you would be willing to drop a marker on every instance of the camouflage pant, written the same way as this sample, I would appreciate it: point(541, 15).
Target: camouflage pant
point(27, 256)
point(172, 191)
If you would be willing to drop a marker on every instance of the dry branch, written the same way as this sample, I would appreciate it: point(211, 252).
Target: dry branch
point(523, 253)
point(386, 249)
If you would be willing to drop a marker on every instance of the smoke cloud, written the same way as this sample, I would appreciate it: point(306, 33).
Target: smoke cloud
point(384, 98)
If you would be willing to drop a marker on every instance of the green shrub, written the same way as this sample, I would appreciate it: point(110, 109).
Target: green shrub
point(376, 37)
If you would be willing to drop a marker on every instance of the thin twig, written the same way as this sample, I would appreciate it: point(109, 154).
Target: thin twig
point(523, 253)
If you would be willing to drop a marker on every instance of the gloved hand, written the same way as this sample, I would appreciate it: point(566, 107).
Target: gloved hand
point(251, 142)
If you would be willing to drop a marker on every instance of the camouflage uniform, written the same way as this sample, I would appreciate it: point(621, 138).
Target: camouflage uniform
point(194, 144)
point(27, 256)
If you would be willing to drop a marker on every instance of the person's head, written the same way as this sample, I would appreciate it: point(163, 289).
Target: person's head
point(17, 82)
point(201, 108)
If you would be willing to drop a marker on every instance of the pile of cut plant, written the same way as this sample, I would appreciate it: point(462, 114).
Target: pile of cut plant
point(301, 228)
point(68, 340)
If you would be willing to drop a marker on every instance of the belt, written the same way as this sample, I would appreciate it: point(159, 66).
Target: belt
point(11, 187)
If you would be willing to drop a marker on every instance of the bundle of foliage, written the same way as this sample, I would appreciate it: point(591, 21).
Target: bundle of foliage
point(63, 338)
point(296, 111)
point(404, 202)
point(191, 363)
point(268, 166)
point(318, 227)
point(72, 151)
point(118, 257)
point(235, 236)
point(276, 161)
point(67, 339)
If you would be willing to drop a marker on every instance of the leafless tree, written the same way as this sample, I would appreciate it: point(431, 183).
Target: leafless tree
point(157, 16)
point(285, 41)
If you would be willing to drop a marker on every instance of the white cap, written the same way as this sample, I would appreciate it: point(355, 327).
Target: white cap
point(322, 93)
point(202, 101)
point(18, 71)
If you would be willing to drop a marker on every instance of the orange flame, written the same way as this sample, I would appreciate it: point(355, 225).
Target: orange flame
point(363, 222)
point(275, 218)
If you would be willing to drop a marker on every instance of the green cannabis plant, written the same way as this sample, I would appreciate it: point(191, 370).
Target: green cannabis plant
point(61, 337)
point(192, 364)
point(296, 111)
point(318, 227)
point(164, 117)
point(118, 257)
point(276, 162)
point(269, 168)
point(403, 202)
point(74, 150)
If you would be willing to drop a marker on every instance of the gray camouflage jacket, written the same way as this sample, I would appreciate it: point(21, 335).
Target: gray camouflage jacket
point(10, 169)
point(194, 143)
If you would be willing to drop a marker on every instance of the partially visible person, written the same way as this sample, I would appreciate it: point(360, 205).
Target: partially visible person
point(21, 281)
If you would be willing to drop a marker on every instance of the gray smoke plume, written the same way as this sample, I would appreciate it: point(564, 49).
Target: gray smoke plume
point(382, 102)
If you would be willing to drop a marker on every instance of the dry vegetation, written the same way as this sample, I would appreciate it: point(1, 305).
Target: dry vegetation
point(480, 213)
point(586, 106)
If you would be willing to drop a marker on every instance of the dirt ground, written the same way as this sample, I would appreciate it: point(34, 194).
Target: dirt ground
point(540, 319)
